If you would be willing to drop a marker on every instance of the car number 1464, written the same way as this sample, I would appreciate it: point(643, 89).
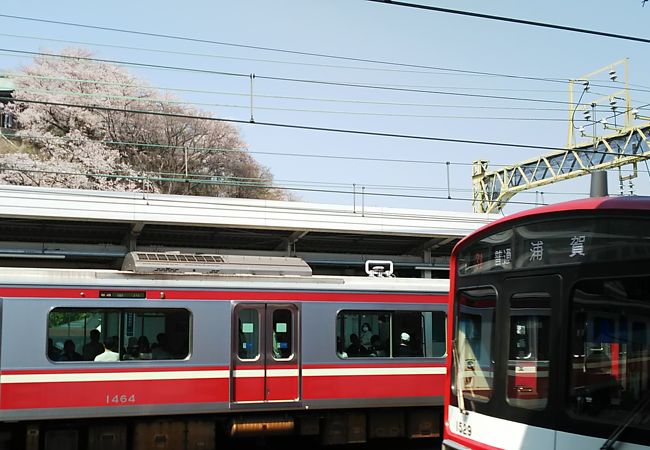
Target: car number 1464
point(120, 399)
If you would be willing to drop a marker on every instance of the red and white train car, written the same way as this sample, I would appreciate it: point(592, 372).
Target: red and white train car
point(550, 330)
point(188, 346)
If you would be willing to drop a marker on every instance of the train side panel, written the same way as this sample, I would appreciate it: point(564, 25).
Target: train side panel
point(248, 358)
point(330, 381)
point(34, 386)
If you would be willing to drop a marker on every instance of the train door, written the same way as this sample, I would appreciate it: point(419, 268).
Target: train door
point(530, 301)
point(266, 364)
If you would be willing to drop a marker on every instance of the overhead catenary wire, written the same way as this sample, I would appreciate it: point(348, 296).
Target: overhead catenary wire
point(288, 79)
point(84, 106)
point(286, 97)
point(301, 110)
point(361, 101)
point(235, 181)
point(286, 125)
point(271, 49)
point(303, 127)
point(432, 70)
point(194, 148)
point(247, 184)
point(385, 86)
point(226, 150)
point(513, 20)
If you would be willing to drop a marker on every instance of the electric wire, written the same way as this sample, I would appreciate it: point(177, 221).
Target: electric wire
point(359, 132)
point(250, 185)
point(301, 110)
point(254, 47)
point(287, 79)
point(513, 20)
point(437, 71)
point(285, 125)
point(516, 20)
point(227, 150)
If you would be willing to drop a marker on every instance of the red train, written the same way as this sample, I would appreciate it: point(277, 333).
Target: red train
point(175, 349)
point(550, 325)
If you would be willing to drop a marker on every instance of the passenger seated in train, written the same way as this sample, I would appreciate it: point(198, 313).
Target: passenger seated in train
point(109, 354)
point(355, 348)
point(160, 350)
point(69, 352)
point(405, 348)
point(92, 348)
point(376, 348)
point(144, 348)
point(132, 351)
point(52, 352)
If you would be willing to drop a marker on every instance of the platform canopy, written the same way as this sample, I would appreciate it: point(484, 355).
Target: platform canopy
point(48, 227)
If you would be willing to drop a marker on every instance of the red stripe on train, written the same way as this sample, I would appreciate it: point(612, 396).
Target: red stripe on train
point(155, 294)
point(157, 392)
point(374, 386)
point(112, 393)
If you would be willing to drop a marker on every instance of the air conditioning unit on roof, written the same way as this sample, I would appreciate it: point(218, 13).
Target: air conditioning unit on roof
point(207, 264)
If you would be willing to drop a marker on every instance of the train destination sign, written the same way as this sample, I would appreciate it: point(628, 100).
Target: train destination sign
point(122, 294)
point(556, 242)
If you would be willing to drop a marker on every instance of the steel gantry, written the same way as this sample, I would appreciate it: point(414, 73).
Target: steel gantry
point(627, 144)
point(493, 189)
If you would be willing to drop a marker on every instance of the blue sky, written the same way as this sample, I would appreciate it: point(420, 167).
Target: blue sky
point(315, 162)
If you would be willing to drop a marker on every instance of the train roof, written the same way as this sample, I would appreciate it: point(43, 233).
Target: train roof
point(623, 203)
point(97, 278)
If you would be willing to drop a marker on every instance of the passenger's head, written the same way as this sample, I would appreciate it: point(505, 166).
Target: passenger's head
point(143, 344)
point(94, 335)
point(375, 341)
point(405, 338)
point(110, 344)
point(161, 338)
point(68, 346)
point(366, 327)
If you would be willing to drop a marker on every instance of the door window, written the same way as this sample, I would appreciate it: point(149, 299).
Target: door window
point(529, 340)
point(248, 339)
point(474, 359)
point(282, 334)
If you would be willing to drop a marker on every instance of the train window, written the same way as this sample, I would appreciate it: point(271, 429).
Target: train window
point(249, 334)
point(528, 366)
point(434, 326)
point(390, 334)
point(474, 340)
point(76, 334)
point(282, 334)
point(610, 363)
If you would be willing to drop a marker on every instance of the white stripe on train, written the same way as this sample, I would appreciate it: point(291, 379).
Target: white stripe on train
point(214, 374)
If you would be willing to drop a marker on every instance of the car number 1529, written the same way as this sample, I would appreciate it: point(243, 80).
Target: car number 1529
point(463, 428)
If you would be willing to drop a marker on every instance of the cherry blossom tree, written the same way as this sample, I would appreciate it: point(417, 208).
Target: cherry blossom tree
point(81, 124)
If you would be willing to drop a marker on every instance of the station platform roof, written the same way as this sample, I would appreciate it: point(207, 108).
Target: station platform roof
point(48, 227)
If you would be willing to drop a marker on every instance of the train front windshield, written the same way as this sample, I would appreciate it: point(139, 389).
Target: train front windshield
point(552, 324)
point(610, 357)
